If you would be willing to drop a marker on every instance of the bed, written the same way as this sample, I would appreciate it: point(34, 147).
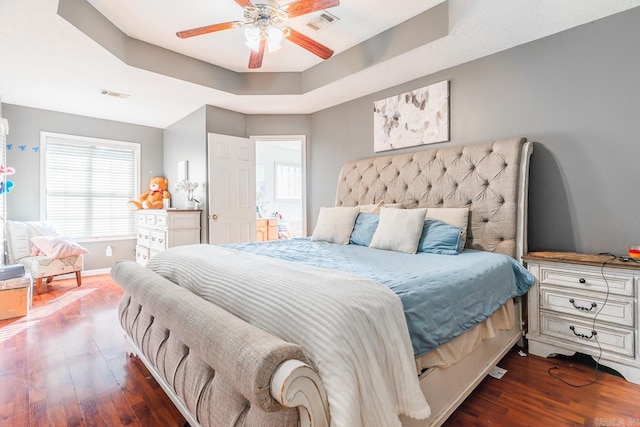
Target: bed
point(251, 347)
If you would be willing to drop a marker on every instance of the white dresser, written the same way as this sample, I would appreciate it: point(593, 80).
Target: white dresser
point(160, 229)
point(570, 290)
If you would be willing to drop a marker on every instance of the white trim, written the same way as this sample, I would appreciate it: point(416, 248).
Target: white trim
point(84, 273)
point(4, 127)
point(303, 165)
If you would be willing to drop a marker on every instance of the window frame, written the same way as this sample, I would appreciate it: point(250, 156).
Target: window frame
point(84, 141)
point(277, 178)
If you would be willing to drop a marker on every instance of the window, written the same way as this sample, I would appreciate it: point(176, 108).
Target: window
point(288, 182)
point(86, 183)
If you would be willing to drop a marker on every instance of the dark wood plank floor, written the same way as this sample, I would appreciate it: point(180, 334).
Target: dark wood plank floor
point(65, 365)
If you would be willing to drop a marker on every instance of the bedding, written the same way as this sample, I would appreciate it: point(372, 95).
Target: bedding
point(335, 224)
point(477, 283)
point(186, 341)
point(399, 230)
point(351, 327)
point(438, 237)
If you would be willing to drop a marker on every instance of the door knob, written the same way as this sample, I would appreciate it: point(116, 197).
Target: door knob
point(214, 217)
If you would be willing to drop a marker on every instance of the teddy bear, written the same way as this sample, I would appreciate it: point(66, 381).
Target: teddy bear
point(153, 198)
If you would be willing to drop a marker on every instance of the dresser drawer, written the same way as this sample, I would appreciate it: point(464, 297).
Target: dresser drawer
point(618, 310)
point(573, 330)
point(144, 236)
point(587, 278)
point(142, 255)
point(161, 220)
point(158, 240)
point(142, 218)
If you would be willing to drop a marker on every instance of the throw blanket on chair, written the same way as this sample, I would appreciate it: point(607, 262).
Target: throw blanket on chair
point(353, 329)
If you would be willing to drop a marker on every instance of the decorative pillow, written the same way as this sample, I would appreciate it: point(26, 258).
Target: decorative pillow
point(58, 246)
point(335, 224)
point(438, 237)
point(399, 230)
point(366, 224)
point(454, 216)
point(372, 209)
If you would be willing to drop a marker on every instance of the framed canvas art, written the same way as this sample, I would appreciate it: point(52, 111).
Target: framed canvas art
point(412, 118)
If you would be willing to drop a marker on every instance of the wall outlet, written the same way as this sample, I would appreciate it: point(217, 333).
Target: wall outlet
point(109, 251)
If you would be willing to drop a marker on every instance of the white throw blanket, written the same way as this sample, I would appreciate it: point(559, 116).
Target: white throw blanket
point(353, 329)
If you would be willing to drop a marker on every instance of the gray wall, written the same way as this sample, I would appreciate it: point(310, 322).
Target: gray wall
point(25, 125)
point(576, 93)
point(184, 140)
point(187, 140)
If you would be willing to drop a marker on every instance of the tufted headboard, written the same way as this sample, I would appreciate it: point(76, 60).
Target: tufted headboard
point(490, 178)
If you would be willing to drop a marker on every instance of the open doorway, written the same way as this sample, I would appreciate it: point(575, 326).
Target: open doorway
point(280, 187)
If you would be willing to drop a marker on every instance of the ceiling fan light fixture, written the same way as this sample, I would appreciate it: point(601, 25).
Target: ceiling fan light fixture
point(263, 27)
point(252, 36)
point(274, 38)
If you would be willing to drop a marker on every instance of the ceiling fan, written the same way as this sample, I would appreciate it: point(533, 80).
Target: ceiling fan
point(263, 28)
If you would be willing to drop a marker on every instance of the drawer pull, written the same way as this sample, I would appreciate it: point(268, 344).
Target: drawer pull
point(581, 280)
point(573, 329)
point(593, 305)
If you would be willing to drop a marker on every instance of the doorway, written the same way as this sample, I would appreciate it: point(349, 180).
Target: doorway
point(281, 184)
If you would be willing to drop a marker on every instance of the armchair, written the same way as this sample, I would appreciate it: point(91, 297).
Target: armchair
point(54, 255)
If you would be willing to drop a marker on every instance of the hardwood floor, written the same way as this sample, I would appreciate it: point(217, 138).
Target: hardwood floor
point(65, 365)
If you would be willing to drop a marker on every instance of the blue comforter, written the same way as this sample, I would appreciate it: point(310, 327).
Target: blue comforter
point(442, 295)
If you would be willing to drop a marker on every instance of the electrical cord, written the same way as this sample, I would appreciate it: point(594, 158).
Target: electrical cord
point(551, 371)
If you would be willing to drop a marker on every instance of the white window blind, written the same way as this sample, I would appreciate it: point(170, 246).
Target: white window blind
point(288, 182)
point(87, 183)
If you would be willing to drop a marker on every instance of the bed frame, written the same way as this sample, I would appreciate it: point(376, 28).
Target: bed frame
point(232, 373)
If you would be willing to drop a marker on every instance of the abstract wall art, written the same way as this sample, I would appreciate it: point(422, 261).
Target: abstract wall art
point(412, 118)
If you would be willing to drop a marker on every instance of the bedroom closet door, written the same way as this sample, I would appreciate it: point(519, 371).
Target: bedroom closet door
point(232, 189)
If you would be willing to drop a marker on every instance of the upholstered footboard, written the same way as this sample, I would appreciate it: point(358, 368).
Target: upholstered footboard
point(217, 369)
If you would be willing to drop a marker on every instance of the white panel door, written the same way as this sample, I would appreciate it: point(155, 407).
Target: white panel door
point(232, 189)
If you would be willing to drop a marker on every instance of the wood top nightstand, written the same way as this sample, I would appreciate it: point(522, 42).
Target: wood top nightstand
point(584, 303)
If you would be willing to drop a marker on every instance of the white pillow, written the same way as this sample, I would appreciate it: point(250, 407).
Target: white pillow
point(399, 230)
point(454, 216)
point(335, 224)
point(58, 246)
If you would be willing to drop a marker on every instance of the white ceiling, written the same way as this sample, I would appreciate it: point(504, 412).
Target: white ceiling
point(47, 63)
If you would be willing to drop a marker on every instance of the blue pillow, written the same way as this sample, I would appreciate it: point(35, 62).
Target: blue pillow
point(365, 226)
point(438, 237)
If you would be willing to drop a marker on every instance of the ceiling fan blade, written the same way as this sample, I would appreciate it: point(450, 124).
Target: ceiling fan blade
point(302, 7)
point(255, 60)
point(209, 29)
point(311, 45)
point(244, 3)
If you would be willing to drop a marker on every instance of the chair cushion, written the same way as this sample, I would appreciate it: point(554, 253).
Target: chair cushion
point(42, 266)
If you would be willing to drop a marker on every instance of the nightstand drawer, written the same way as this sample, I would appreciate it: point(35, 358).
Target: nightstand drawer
point(580, 332)
point(587, 278)
point(618, 310)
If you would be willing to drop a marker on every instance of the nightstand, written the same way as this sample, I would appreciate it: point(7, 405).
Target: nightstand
point(570, 290)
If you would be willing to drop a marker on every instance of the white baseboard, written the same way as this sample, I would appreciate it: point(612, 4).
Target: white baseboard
point(85, 273)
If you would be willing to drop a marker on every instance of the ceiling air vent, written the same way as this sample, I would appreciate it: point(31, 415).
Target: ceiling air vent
point(114, 94)
point(322, 20)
